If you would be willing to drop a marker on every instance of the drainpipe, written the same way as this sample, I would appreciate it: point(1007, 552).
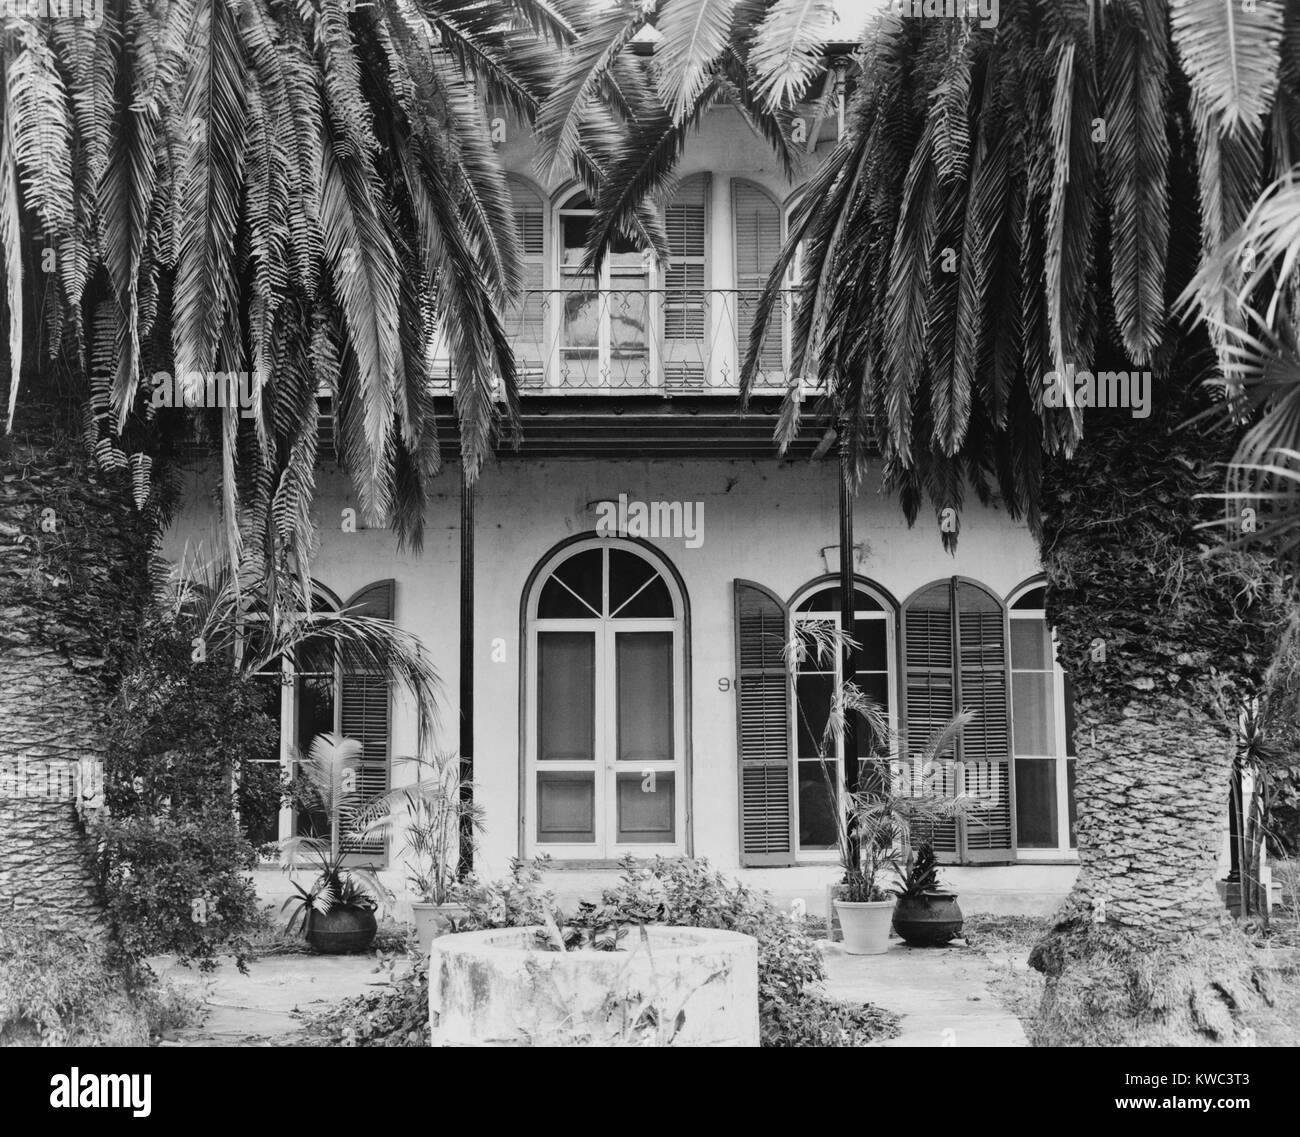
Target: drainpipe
point(466, 860)
point(848, 606)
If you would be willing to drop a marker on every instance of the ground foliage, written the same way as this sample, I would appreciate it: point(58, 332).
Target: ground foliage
point(677, 891)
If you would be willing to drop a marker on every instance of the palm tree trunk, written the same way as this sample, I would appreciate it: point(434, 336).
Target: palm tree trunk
point(73, 577)
point(1144, 951)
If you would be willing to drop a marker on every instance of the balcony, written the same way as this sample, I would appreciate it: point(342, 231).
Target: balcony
point(638, 341)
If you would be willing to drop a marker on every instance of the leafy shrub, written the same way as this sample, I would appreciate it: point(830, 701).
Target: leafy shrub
point(178, 885)
point(187, 747)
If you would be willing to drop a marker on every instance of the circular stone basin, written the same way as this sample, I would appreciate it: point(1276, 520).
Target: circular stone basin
point(674, 986)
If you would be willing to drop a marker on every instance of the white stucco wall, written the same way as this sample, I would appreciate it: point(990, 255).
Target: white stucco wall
point(764, 521)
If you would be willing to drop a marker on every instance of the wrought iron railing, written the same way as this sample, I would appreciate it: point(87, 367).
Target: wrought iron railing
point(639, 340)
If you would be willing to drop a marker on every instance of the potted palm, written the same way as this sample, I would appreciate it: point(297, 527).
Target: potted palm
point(873, 830)
point(336, 912)
point(431, 816)
point(926, 915)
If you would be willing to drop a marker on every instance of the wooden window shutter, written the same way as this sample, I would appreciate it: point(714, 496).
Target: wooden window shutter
point(929, 694)
point(686, 299)
point(756, 221)
point(365, 710)
point(763, 694)
point(985, 744)
point(525, 317)
point(955, 655)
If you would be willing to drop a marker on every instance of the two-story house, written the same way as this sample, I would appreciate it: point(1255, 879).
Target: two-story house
point(606, 604)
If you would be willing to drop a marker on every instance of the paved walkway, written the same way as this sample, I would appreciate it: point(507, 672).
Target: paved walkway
point(259, 1009)
point(942, 994)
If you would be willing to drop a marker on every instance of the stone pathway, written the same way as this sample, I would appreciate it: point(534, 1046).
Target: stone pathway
point(262, 1008)
point(942, 994)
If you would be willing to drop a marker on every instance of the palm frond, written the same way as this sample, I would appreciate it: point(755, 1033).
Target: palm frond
point(1229, 51)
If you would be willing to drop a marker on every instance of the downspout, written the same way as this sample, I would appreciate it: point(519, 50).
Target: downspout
point(465, 864)
point(849, 652)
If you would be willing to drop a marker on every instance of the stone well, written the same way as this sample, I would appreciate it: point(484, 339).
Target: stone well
point(678, 986)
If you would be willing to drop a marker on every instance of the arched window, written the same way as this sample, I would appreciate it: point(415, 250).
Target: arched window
point(525, 320)
point(604, 766)
point(757, 234)
point(955, 658)
point(1042, 723)
point(319, 694)
point(817, 676)
point(604, 332)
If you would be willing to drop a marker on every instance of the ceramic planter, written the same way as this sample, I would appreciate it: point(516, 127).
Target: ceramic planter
point(341, 930)
point(434, 920)
point(865, 925)
point(929, 920)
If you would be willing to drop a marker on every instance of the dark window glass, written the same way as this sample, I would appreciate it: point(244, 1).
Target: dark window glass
point(1070, 800)
point(817, 827)
point(1036, 803)
point(574, 590)
point(1035, 598)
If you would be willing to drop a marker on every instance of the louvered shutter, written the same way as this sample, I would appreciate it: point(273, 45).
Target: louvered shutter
point(525, 317)
point(365, 711)
point(985, 743)
point(763, 728)
point(928, 699)
point(756, 220)
point(686, 299)
point(955, 654)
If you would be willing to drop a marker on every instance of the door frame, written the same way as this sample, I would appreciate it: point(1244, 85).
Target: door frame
point(604, 853)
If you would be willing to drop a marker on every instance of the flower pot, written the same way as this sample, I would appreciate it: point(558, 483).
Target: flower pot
point(344, 928)
point(930, 920)
point(865, 925)
point(434, 920)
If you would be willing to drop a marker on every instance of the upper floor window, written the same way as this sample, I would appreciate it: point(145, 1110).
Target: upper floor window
point(756, 226)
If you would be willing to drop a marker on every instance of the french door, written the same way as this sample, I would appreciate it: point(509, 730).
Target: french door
point(605, 741)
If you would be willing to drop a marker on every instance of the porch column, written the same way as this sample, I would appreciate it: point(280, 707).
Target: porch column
point(466, 860)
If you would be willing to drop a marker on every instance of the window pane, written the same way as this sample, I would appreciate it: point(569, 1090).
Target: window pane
point(628, 577)
point(1071, 804)
point(1069, 715)
point(876, 688)
point(817, 828)
point(1031, 645)
point(566, 709)
point(1037, 598)
point(872, 635)
point(1036, 803)
point(1033, 716)
point(566, 808)
point(814, 707)
point(646, 808)
point(574, 592)
point(645, 696)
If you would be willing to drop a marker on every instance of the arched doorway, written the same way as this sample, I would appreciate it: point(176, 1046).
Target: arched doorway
point(605, 692)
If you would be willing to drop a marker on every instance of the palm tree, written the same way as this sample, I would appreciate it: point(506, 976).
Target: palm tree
point(1011, 204)
point(303, 193)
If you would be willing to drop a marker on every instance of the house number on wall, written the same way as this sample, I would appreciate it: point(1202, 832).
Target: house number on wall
point(727, 684)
